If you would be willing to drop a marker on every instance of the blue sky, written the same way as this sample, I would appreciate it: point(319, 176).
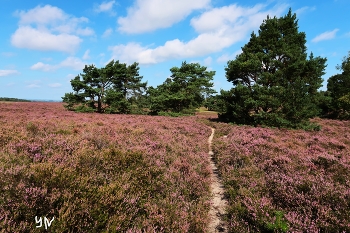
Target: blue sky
point(44, 44)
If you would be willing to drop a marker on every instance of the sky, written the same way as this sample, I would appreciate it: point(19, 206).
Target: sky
point(45, 43)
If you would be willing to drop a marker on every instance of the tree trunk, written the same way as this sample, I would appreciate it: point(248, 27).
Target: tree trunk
point(99, 104)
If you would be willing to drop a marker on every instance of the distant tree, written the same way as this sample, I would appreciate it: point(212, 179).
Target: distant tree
point(324, 103)
point(13, 99)
point(339, 90)
point(105, 89)
point(275, 83)
point(215, 103)
point(186, 89)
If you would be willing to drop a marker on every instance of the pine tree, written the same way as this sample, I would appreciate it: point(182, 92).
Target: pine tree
point(186, 89)
point(105, 89)
point(338, 88)
point(275, 83)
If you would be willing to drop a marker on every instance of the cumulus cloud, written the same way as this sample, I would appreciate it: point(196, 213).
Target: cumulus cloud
point(70, 62)
point(224, 58)
point(325, 36)
point(149, 15)
point(73, 63)
point(4, 73)
point(217, 28)
point(85, 31)
point(55, 85)
point(105, 7)
point(48, 28)
point(86, 55)
point(42, 15)
point(107, 33)
point(43, 67)
point(31, 38)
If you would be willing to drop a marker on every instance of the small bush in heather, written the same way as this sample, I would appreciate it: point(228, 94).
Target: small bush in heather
point(32, 128)
point(280, 225)
point(83, 108)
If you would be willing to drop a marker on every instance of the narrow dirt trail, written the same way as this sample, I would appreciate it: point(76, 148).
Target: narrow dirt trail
point(217, 210)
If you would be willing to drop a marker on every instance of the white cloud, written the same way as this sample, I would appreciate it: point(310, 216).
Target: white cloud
point(33, 85)
point(54, 85)
point(73, 63)
point(208, 61)
point(175, 49)
point(8, 54)
point(325, 36)
point(48, 28)
point(218, 17)
point(42, 15)
point(70, 62)
point(149, 15)
point(227, 57)
point(105, 7)
point(85, 31)
point(218, 28)
point(234, 19)
point(304, 9)
point(107, 33)
point(31, 38)
point(4, 73)
point(86, 55)
point(70, 76)
point(43, 67)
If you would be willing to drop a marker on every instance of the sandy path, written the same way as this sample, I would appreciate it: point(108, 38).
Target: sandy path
point(217, 209)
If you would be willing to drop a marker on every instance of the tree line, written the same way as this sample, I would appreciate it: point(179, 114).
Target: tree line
point(117, 88)
point(275, 83)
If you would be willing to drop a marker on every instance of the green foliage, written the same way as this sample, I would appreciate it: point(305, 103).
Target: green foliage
point(106, 89)
point(275, 83)
point(215, 103)
point(186, 89)
point(344, 104)
point(280, 225)
point(84, 108)
point(338, 87)
point(324, 103)
point(13, 99)
point(72, 100)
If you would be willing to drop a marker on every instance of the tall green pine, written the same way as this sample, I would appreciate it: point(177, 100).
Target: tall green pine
point(275, 83)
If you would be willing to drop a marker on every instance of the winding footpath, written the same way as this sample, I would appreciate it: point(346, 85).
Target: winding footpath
point(217, 209)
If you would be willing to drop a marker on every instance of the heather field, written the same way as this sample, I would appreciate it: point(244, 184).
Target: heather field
point(101, 173)
point(127, 173)
point(285, 180)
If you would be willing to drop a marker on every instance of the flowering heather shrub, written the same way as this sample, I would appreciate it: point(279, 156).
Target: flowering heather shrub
point(101, 173)
point(285, 180)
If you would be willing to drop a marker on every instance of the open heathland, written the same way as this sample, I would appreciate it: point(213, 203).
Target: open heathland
point(126, 173)
point(285, 180)
point(101, 173)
